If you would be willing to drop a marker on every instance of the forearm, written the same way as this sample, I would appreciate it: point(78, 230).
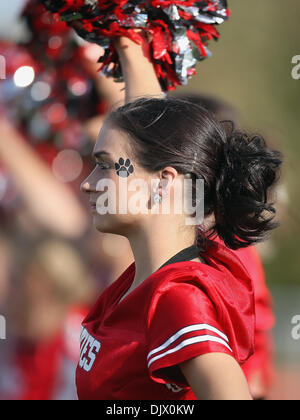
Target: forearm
point(138, 71)
point(51, 203)
point(113, 92)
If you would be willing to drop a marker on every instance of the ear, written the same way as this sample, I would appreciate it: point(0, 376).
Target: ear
point(168, 177)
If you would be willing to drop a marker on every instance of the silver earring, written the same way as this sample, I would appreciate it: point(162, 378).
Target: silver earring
point(157, 198)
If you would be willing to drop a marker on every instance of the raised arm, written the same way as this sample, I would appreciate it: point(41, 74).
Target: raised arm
point(138, 71)
point(52, 203)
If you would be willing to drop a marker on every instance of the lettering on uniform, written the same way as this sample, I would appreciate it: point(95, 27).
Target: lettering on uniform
point(174, 388)
point(89, 348)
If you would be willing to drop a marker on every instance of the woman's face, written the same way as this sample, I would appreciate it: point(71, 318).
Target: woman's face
point(119, 189)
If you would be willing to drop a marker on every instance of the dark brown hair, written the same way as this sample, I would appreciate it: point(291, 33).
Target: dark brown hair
point(238, 170)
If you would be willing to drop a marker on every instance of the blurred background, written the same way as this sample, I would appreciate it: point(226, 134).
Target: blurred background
point(51, 270)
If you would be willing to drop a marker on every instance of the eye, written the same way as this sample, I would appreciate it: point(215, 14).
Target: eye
point(103, 165)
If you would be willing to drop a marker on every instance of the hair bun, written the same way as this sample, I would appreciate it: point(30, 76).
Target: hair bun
point(243, 213)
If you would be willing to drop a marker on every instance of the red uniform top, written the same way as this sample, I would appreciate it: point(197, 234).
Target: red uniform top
point(130, 350)
point(262, 361)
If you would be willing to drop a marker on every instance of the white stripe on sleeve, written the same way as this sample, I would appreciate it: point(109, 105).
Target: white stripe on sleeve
point(188, 342)
point(185, 330)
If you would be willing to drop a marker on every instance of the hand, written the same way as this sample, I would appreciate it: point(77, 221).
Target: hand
point(125, 45)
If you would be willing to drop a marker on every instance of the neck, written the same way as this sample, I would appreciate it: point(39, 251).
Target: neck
point(154, 244)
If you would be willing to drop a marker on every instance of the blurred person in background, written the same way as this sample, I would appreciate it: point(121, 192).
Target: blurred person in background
point(5, 264)
point(51, 291)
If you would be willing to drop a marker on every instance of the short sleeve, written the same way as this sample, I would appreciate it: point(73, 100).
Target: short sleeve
point(182, 323)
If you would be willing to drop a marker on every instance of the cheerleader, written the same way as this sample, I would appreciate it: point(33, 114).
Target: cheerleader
point(179, 321)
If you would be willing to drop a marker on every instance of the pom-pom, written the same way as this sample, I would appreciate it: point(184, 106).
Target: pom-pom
point(50, 90)
point(48, 104)
point(179, 31)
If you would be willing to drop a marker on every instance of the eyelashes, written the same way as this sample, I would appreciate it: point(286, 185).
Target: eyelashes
point(103, 165)
point(123, 169)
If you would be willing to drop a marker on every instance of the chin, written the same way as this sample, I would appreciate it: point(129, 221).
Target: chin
point(116, 224)
point(103, 224)
point(106, 224)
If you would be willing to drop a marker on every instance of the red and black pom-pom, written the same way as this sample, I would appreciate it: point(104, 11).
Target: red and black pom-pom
point(50, 89)
point(180, 30)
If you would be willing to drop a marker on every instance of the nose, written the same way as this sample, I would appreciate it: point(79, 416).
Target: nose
point(85, 187)
point(89, 184)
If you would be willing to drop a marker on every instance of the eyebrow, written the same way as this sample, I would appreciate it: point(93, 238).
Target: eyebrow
point(97, 155)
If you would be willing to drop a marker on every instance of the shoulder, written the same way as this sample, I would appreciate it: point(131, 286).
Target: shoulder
point(220, 282)
point(217, 295)
point(182, 285)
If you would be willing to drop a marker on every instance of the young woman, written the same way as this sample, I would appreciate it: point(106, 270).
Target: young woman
point(179, 330)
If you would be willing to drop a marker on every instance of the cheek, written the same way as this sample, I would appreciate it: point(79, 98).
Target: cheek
point(124, 167)
point(130, 194)
point(104, 181)
point(139, 196)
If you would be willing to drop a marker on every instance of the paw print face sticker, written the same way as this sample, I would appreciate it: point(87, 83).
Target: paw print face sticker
point(124, 169)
